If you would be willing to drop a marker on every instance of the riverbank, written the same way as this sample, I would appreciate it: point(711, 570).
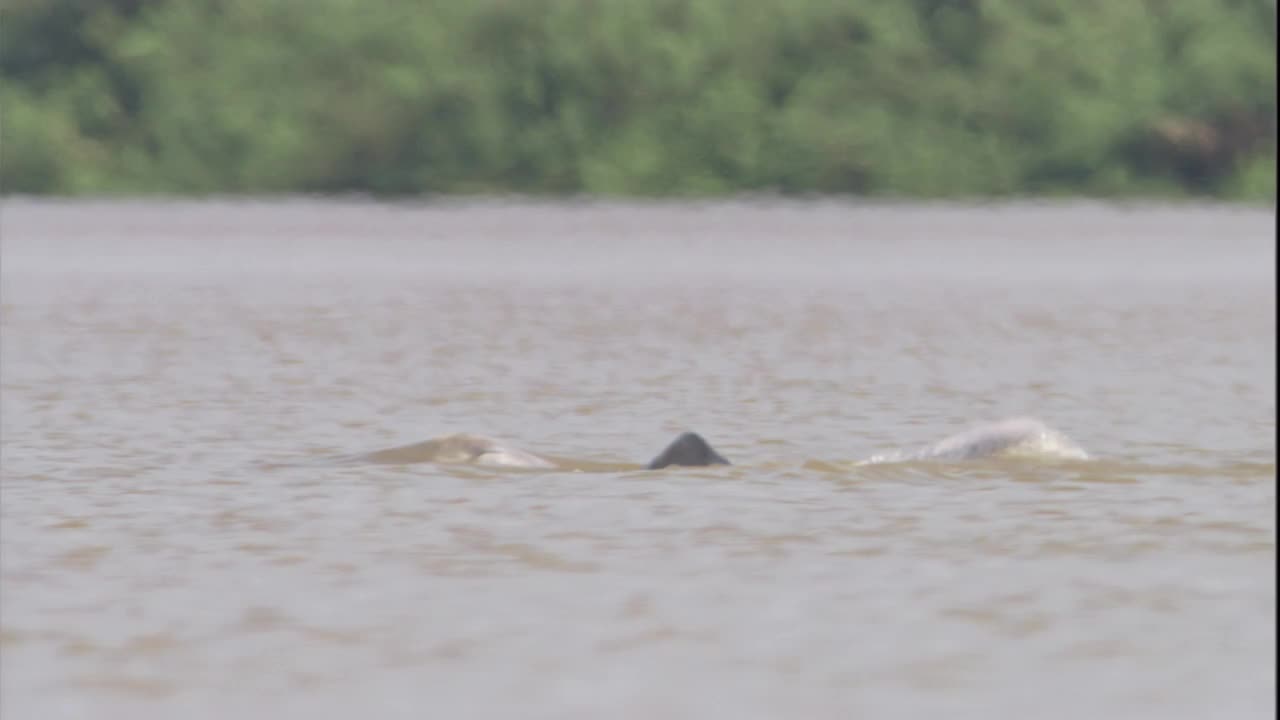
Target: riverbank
point(690, 98)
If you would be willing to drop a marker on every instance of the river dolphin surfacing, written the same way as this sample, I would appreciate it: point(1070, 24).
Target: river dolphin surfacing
point(1013, 438)
point(689, 449)
point(1021, 437)
point(484, 450)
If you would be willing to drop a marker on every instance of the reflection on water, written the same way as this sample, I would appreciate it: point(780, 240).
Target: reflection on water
point(175, 542)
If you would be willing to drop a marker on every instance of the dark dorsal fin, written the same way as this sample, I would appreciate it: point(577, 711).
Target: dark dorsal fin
point(688, 449)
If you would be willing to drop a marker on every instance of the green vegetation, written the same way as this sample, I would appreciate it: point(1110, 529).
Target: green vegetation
point(920, 98)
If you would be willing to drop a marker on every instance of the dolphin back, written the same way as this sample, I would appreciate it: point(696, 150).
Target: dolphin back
point(1016, 437)
point(690, 450)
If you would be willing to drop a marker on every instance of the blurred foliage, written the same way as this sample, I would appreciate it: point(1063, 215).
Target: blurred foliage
point(915, 98)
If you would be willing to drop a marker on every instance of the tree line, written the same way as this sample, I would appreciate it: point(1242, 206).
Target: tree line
point(895, 98)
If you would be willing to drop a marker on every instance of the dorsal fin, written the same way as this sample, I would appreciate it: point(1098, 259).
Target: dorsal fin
point(689, 449)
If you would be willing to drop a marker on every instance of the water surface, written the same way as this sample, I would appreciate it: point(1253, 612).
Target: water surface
point(158, 359)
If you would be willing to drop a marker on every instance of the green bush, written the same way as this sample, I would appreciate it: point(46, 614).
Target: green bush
point(923, 98)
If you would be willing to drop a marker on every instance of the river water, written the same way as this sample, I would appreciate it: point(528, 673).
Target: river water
point(174, 543)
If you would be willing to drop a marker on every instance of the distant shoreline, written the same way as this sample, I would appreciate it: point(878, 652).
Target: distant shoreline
point(672, 99)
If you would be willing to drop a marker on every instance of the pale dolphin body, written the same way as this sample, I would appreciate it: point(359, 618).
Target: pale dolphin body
point(483, 450)
point(1016, 437)
point(689, 449)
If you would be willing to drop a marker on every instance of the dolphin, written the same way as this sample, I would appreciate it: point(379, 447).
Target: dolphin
point(1019, 437)
point(1016, 437)
point(468, 449)
point(689, 449)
